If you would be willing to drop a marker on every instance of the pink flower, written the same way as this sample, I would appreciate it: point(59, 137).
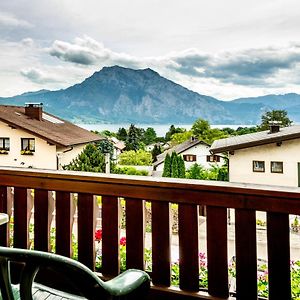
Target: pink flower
point(98, 235)
point(123, 241)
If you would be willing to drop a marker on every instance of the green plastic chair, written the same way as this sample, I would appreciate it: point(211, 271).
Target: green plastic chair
point(132, 284)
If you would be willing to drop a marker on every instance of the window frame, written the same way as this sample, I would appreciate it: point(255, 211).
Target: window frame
point(186, 157)
point(278, 172)
point(24, 148)
point(258, 170)
point(213, 158)
point(2, 145)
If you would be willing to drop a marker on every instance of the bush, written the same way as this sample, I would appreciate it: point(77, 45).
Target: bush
point(129, 171)
point(135, 158)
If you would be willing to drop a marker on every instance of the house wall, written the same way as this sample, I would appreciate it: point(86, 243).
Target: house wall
point(44, 156)
point(241, 164)
point(201, 151)
point(66, 155)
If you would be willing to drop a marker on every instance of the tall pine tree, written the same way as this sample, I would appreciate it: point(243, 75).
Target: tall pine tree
point(167, 166)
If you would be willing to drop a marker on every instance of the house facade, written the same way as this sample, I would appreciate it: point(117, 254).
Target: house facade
point(192, 151)
point(269, 157)
point(32, 138)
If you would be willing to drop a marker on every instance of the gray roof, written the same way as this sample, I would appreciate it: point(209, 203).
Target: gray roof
point(255, 139)
point(179, 149)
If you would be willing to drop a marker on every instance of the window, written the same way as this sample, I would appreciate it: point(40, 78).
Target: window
point(258, 166)
point(4, 144)
point(213, 158)
point(276, 167)
point(27, 144)
point(189, 157)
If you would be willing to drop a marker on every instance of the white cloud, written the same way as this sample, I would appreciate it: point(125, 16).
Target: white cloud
point(10, 20)
point(40, 77)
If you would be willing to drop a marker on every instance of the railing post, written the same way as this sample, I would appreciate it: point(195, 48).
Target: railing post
point(135, 233)
point(217, 251)
point(23, 204)
point(5, 207)
point(86, 229)
point(110, 235)
point(64, 222)
point(43, 210)
point(188, 222)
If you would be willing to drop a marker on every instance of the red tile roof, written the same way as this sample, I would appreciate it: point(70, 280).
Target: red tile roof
point(51, 128)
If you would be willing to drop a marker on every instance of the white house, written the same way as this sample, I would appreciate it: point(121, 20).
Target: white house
point(269, 157)
point(192, 151)
point(32, 138)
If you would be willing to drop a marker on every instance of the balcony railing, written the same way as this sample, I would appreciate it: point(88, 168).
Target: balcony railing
point(277, 202)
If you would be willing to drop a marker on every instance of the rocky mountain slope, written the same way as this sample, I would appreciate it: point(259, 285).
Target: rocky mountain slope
point(117, 95)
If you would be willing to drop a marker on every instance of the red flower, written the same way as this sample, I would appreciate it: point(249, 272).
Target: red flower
point(98, 235)
point(123, 241)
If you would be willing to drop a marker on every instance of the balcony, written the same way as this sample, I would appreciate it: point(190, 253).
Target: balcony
point(32, 201)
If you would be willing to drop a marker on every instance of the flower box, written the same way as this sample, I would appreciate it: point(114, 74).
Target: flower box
point(26, 152)
point(3, 151)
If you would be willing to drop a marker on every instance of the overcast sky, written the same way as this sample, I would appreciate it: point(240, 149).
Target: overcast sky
point(225, 49)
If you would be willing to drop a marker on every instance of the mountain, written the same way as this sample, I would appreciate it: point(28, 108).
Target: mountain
point(122, 95)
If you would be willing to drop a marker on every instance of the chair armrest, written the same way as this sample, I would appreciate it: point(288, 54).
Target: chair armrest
point(127, 282)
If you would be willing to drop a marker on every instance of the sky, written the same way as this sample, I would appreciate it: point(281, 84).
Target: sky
point(224, 49)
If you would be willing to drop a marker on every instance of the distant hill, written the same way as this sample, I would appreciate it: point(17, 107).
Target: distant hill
point(117, 95)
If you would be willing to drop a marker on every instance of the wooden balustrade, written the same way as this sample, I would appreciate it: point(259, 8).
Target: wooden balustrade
point(278, 202)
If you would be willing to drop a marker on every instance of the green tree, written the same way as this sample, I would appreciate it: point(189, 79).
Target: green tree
point(149, 136)
point(274, 115)
point(178, 138)
point(155, 151)
point(122, 134)
point(202, 130)
point(181, 167)
point(167, 166)
point(105, 146)
point(133, 138)
point(171, 131)
point(90, 160)
point(174, 165)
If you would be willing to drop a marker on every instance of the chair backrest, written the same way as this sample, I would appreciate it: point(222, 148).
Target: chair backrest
point(89, 284)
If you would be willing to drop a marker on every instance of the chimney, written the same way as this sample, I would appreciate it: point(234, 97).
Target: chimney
point(34, 110)
point(274, 126)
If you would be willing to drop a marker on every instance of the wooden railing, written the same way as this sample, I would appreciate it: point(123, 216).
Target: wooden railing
point(188, 194)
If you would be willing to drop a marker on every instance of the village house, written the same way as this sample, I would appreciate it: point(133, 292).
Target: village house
point(32, 138)
point(269, 157)
point(192, 151)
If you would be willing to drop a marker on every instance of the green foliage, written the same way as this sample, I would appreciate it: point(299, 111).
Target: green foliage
point(155, 151)
point(129, 171)
point(201, 129)
point(174, 166)
point(105, 146)
point(274, 115)
point(149, 136)
point(135, 158)
point(122, 134)
point(246, 130)
point(133, 138)
point(181, 167)
point(178, 138)
point(91, 159)
point(214, 173)
point(173, 130)
point(167, 166)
